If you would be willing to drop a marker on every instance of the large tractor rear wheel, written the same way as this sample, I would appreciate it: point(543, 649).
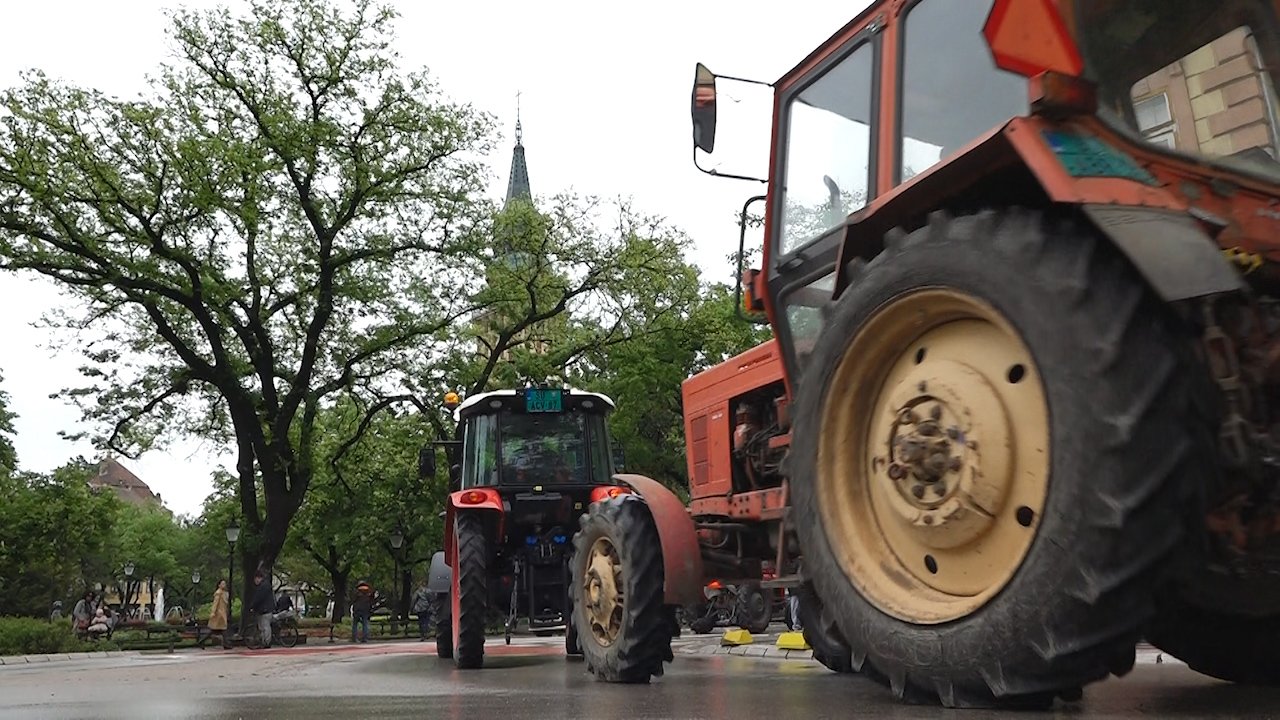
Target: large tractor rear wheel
point(1224, 645)
point(623, 628)
point(470, 590)
point(820, 632)
point(996, 439)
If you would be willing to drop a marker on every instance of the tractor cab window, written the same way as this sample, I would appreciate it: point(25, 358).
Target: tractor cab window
point(1193, 78)
point(827, 155)
point(804, 315)
point(952, 92)
point(546, 448)
point(480, 452)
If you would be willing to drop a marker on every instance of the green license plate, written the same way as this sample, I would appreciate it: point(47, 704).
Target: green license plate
point(541, 400)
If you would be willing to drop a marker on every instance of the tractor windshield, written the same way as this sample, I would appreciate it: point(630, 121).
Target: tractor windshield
point(516, 448)
point(1194, 76)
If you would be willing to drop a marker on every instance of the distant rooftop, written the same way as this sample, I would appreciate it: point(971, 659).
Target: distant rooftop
point(129, 487)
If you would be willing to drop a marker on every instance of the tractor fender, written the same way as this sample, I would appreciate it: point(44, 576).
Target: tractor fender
point(1148, 224)
point(486, 500)
point(440, 576)
point(681, 556)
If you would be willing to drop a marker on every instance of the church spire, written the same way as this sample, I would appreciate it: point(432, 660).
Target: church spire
point(518, 184)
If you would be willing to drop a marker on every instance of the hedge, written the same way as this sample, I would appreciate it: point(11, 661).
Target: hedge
point(31, 636)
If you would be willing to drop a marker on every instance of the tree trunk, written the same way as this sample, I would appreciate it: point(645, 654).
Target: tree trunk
point(340, 580)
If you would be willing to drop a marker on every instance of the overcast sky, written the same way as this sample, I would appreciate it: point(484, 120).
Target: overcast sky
point(605, 107)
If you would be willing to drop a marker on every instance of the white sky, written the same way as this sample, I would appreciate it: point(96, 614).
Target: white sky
point(605, 103)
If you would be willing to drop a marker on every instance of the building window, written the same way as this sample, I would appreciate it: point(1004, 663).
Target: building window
point(1155, 120)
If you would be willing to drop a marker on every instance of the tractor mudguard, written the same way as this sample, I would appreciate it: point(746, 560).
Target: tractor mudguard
point(681, 556)
point(477, 499)
point(1145, 222)
point(440, 576)
point(1174, 255)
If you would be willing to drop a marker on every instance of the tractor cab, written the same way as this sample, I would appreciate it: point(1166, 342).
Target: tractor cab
point(532, 460)
point(519, 440)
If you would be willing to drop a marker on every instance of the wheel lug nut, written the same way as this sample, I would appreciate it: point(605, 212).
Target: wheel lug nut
point(955, 464)
point(918, 491)
point(953, 432)
point(928, 519)
point(922, 387)
point(936, 412)
point(897, 472)
point(939, 490)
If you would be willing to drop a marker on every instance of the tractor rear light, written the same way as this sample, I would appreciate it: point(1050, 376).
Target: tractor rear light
point(714, 585)
point(606, 492)
point(1056, 94)
point(473, 497)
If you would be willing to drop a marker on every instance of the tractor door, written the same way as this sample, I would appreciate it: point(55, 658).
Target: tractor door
point(824, 169)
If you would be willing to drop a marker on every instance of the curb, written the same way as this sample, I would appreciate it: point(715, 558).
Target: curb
point(17, 660)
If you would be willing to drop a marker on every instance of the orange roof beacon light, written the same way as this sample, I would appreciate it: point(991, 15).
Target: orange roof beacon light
point(1028, 37)
point(451, 400)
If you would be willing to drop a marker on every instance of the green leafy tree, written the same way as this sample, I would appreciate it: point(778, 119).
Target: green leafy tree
point(248, 238)
point(57, 537)
point(368, 486)
point(8, 455)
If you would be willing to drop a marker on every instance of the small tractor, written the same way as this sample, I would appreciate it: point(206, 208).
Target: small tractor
point(1021, 408)
point(532, 460)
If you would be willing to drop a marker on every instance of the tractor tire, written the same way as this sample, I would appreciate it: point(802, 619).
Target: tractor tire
point(625, 636)
point(1229, 647)
point(996, 436)
point(572, 647)
point(444, 627)
point(821, 633)
point(754, 609)
point(470, 590)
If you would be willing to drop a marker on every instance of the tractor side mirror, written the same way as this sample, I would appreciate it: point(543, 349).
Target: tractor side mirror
point(455, 475)
point(619, 460)
point(426, 462)
point(704, 108)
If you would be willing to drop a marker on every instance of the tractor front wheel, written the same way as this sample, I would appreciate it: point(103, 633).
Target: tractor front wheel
point(754, 608)
point(620, 620)
point(444, 627)
point(996, 437)
point(470, 590)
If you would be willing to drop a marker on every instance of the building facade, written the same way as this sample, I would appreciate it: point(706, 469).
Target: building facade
point(1216, 101)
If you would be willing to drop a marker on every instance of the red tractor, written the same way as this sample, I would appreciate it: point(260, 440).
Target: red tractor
point(532, 460)
point(1018, 264)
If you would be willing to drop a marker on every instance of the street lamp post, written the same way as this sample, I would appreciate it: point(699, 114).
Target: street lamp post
point(233, 534)
point(195, 583)
point(397, 539)
point(128, 582)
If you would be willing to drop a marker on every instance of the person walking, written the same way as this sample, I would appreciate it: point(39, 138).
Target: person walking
point(422, 606)
point(219, 616)
point(361, 609)
point(263, 604)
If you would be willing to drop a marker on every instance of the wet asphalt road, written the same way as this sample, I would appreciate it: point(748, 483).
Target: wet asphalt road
point(528, 682)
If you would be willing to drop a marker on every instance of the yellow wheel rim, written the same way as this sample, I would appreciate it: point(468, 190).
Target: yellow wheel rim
point(602, 591)
point(933, 456)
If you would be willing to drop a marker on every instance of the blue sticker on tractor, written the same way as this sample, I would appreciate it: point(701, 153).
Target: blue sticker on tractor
point(1086, 156)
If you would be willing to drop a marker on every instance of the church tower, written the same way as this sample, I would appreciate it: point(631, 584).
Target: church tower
point(518, 182)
